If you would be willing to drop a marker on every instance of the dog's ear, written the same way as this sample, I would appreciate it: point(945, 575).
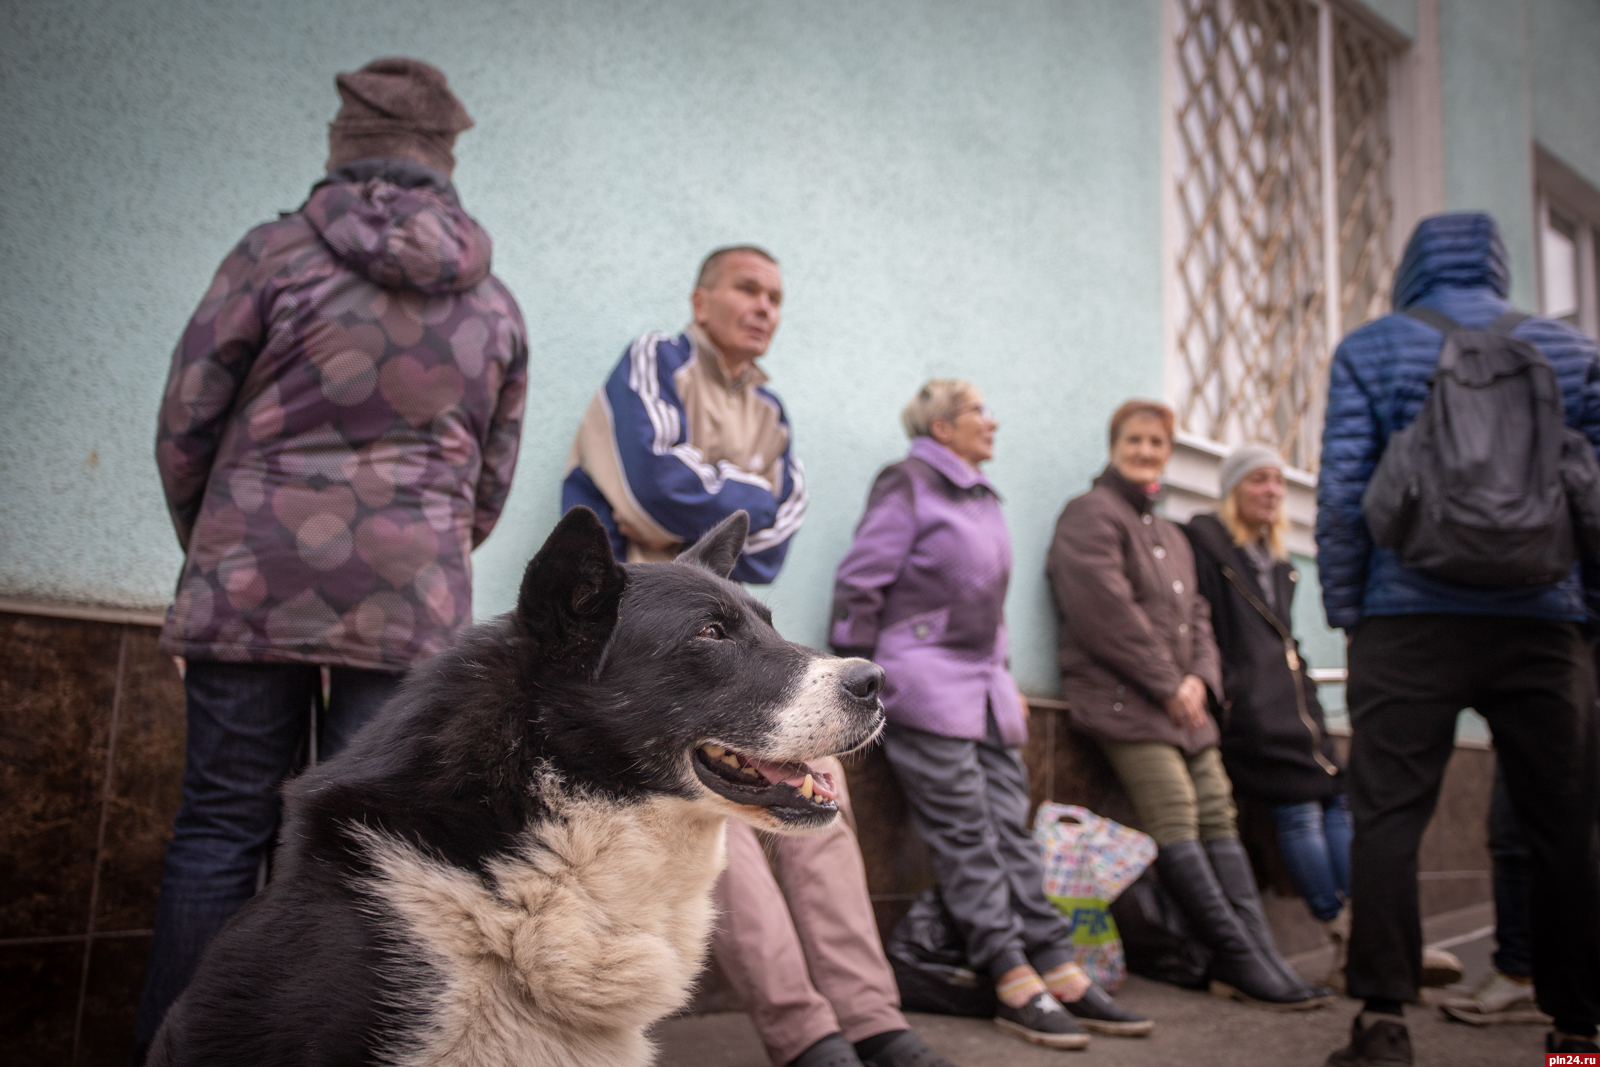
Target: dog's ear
point(719, 549)
point(570, 593)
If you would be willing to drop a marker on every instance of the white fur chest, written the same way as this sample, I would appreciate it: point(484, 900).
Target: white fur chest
point(586, 937)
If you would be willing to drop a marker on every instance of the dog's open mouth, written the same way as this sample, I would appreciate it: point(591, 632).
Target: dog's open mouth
point(744, 779)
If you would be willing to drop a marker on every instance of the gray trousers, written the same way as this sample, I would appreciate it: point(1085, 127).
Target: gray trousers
point(969, 801)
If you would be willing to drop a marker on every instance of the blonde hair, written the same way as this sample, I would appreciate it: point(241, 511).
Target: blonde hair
point(1229, 513)
point(937, 399)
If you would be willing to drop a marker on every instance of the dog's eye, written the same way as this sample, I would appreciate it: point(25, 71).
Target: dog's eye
point(714, 631)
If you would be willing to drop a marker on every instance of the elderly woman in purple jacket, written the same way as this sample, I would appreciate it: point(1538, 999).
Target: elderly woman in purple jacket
point(922, 592)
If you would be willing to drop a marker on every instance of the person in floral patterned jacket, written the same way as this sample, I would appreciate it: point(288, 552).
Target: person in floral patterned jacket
point(338, 433)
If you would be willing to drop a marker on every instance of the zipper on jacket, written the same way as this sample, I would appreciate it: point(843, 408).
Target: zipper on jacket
point(1292, 657)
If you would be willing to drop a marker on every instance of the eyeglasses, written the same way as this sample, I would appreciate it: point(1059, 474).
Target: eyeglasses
point(983, 411)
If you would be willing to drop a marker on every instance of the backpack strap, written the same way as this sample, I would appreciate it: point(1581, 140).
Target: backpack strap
point(1503, 326)
point(1439, 321)
point(1507, 322)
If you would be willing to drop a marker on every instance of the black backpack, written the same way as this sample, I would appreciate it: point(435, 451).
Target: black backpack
point(1488, 487)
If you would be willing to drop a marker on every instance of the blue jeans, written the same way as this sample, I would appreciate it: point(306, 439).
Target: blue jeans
point(247, 727)
point(1314, 839)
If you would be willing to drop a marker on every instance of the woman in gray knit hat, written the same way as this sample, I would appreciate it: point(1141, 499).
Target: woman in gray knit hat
point(1275, 743)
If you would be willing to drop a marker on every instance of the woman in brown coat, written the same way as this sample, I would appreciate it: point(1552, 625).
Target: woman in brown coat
point(1140, 670)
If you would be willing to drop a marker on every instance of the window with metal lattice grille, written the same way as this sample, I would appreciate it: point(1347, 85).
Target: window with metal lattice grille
point(1279, 139)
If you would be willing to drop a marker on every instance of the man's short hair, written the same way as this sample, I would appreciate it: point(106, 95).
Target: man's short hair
point(938, 398)
point(708, 266)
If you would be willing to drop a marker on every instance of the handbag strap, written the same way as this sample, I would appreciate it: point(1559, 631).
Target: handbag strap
point(1053, 814)
point(1289, 645)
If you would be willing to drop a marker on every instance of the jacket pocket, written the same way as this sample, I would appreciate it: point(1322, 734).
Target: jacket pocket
point(923, 628)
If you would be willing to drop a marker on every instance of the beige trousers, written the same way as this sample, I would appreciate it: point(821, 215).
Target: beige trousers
point(797, 938)
point(1178, 797)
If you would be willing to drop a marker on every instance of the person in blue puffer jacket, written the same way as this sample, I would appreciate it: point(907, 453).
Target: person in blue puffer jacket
point(1421, 649)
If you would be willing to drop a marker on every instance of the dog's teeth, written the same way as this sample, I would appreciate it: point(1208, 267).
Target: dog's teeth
point(806, 788)
point(731, 760)
point(751, 771)
point(714, 751)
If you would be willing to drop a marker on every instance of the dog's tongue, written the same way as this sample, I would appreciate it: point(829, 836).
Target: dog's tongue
point(795, 774)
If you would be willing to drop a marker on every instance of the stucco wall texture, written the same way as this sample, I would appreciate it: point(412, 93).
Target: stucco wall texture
point(1515, 72)
point(1487, 74)
point(1565, 38)
point(1399, 14)
point(952, 188)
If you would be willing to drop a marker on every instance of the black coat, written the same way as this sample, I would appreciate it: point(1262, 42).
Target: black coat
point(1275, 743)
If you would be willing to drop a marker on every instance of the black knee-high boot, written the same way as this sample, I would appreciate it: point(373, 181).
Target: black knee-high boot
point(1231, 864)
point(1187, 875)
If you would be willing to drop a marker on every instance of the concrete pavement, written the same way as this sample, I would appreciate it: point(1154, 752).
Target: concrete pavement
point(1193, 1029)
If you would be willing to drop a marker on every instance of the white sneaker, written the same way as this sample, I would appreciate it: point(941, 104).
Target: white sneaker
point(1496, 1000)
point(1440, 968)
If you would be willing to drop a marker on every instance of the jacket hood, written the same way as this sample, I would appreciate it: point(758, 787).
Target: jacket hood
point(399, 225)
point(1459, 251)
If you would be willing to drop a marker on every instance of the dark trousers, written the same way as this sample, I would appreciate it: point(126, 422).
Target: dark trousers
point(969, 801)
point(1534, 682)
point(247, 726)
point(1513, 875)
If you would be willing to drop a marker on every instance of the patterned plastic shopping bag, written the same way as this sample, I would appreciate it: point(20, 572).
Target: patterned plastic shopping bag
point(1088, 862)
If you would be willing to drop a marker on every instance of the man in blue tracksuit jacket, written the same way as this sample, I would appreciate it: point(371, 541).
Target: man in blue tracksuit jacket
point(1422, 649)
point(685, 432)
point(682, 434)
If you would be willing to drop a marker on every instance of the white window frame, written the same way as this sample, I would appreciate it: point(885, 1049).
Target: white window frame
point(1559, 190)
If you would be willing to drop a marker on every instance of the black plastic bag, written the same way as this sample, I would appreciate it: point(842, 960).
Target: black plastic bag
point(929, 958)
point(1156, 937)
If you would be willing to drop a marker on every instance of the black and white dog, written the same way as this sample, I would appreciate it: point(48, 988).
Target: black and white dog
point(512, 865)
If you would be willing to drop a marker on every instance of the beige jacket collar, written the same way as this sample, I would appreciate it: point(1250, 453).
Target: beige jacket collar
point(717, 365)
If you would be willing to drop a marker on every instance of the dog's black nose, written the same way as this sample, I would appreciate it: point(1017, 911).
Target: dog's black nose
point(863, 681)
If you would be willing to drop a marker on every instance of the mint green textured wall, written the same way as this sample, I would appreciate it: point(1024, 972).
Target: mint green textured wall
point(1566, 81)
point(1399, 14)
point(1488, 124)
point(953, 189)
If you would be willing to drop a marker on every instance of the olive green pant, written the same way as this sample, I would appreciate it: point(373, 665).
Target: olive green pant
point(1178, 797)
